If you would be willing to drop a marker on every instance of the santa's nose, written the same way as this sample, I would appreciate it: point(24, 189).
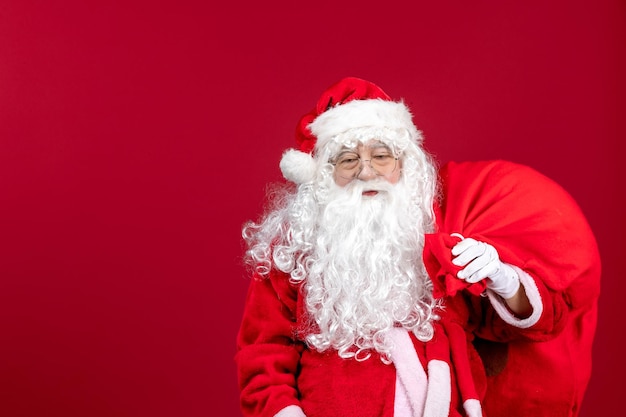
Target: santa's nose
point(366, 172)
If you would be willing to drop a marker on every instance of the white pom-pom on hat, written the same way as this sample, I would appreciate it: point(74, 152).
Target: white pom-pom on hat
point(297, 166)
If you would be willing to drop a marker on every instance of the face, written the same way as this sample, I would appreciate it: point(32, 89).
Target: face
point(366, 162)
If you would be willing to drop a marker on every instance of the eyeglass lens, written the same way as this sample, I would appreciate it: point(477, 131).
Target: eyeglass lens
point(349, 163)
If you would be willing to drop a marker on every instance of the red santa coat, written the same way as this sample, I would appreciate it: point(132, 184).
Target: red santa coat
point(534, 225)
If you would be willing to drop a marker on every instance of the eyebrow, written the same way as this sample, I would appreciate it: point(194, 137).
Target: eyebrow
point(380, 145)
point(346, 150)
point(376, 145)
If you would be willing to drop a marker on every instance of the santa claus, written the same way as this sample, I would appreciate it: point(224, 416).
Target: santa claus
point(383, 286)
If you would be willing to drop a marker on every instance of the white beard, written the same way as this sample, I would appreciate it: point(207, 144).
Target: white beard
point(365, 273)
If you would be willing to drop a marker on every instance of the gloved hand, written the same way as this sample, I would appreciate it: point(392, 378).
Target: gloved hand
point(480, 260)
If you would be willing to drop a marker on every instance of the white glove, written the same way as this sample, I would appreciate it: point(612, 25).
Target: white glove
point(481, 260)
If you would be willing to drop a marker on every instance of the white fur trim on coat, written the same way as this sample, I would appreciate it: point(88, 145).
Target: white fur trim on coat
point(439, 393)
point(472, 408)
point(411, 380)
point(375, 113)
point(532, 292)
point(290, 411)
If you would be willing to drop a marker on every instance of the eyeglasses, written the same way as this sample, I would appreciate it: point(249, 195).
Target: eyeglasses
point(349, 165)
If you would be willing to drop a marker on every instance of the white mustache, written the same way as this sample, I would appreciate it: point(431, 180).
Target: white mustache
point(358, 186)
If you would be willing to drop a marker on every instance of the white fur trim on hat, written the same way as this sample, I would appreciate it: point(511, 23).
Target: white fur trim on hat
point(297, 166)
point(375, 113)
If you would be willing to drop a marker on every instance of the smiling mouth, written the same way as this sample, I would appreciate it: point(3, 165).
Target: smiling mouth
point(370, 193)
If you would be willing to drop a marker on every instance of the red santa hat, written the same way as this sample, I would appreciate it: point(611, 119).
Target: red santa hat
point(352, 103)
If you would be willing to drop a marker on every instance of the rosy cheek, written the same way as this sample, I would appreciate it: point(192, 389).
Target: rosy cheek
point(342, 182)
point(394, 177)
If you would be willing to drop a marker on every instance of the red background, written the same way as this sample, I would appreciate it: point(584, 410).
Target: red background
point(137, 137)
